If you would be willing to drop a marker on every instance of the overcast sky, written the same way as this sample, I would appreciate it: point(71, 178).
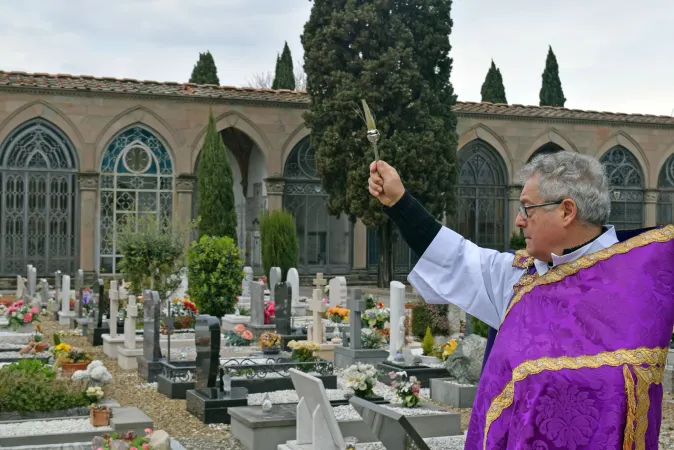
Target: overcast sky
point(614, 55)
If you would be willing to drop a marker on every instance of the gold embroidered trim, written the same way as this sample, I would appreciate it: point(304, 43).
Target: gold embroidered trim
point(628, 440)
point(645, 377)
point(562, 271)
point(523, 260)
point(641, 355)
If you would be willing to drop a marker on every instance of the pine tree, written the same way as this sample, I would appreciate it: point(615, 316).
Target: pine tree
point(216, 207)
point(285, 74)
point(395, 55)
point(204, 71)
point(552, 93)
point(492, 89)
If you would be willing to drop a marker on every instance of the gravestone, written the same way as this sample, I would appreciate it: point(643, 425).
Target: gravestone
point(284, 315)
point(114, 308)
point(127, 356)
point(57, 284)
point(149, 365)
point(32, 281)
point(354, 353)
point(65, 315)
point(20, 288)
point(245, 285)
point(397, 320)
point(318, 308)
point(79, 289)
point(465, 363)
point(338, 293)
point(257, 325)
point(293, 278)
point(98, 327)
point(44, 292)
point(274, 277)
point(206, 401)
point(390, 427)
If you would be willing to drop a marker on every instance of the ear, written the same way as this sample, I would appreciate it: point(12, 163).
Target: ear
point(569, 211)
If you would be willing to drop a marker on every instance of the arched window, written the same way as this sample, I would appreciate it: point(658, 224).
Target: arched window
point(325, 240)
point(38, 200)
point(546, 149)
point(666, 194)
point(136, 181)
point(482, 196)
point(627, 183)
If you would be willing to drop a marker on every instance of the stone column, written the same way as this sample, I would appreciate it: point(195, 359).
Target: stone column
point(275, 186)
point(185, 186)
point(88, 183)
point(514, 192)
point(359, 245)
point(114, 308)
point(651, 197)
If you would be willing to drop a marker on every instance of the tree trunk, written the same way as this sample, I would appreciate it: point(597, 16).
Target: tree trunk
point(385, 272)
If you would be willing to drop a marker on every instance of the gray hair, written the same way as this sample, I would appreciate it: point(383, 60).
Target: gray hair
point(571, 175)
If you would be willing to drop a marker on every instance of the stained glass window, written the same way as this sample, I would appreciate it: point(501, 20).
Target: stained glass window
point(136, 181)
point(627, 188)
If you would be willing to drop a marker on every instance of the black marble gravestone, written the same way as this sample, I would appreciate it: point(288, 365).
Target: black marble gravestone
point(207, 401)
point(283, 318)
point(98, 328)
point(149, 364)
point(390, 427)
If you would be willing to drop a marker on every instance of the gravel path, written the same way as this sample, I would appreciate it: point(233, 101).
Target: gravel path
point(49, 427)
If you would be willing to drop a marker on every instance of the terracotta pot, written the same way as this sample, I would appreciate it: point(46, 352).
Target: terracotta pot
point(68, 369)
point(99, 418)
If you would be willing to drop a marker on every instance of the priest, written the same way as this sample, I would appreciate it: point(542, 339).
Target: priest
point(584, 314)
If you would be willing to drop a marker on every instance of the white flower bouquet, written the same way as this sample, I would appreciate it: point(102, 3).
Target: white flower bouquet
point(361, 378)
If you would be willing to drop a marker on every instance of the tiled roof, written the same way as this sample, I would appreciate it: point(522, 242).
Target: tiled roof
point(87, 83)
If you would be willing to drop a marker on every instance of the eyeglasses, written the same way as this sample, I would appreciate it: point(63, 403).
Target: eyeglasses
point(524, 209)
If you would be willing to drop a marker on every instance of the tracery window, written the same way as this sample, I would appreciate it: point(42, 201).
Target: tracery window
point(626, 180)
point(325, 240)
point(665, 214)
point(38, 200)
point(136, 181)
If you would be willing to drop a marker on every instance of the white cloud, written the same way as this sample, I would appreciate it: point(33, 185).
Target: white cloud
point(612, 55)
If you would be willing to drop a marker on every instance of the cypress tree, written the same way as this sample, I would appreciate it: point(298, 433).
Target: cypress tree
point(216, 207)
point(285, 74)
point(493, 89)
point(552, 93)
point(395, 55)
point(204, 71)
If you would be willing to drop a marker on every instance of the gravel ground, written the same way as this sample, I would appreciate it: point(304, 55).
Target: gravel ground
point(48, 427)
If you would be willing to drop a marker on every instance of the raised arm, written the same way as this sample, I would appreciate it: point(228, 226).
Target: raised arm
point(451, 269)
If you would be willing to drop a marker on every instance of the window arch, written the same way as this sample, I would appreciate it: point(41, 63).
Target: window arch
point(482, 196)
point(546, 149)
point(38, 200)
point(626, 180)
point(325, 240)
point(666, 195)
point(136, 181)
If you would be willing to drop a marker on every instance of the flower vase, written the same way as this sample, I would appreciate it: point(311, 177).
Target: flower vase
point(274, 350)
point(99, 418)
point(227, 383)
point(68, 369)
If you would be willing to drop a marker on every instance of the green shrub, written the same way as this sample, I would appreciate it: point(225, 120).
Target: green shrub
point(517, 241)
point(424, 315)
point(280, 247)
point(478, 327)
point(31, 386)
point(57, 339)
point(214, 275)
point(428, 343)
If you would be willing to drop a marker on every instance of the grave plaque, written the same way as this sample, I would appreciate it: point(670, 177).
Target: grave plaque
point(283, 295)
point(357, 306)
point(256, 303)
point(207, 341)
point(390, 427)
point(151, 334)
point(99, 292)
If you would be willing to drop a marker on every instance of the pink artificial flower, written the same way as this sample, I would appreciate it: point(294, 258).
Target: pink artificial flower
point(392, 374)
point(415, 388)
point(34, 310)
point(146, 447)
point(27, 317)
point(133, 448)
point(394, 385)
point(19, 304)
point(148, 431)
point(11, 308)
point(416, 394)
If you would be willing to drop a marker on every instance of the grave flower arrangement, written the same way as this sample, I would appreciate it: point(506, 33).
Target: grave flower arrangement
point(131, 439)
point(239, 336)
point(406, 389)
point(19, 314)
point(269, 340)
point(87, 300)
point(361, 378)
point(371, 339)
point(338, 315)
point(303, 351)
point(448, 349)
point(70, 359)
point(96, 375)
point(377, 317)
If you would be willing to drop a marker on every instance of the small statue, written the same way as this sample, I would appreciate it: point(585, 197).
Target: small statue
point(401, 335)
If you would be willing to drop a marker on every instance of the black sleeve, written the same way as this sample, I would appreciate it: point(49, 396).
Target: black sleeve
point(417, 226)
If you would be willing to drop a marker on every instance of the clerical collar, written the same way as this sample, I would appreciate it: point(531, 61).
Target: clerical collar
point(604, 240)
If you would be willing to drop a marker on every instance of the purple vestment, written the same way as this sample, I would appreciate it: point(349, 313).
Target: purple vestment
point(579, 358)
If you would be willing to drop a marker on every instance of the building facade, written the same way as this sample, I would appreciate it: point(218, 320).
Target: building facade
point(80, 155)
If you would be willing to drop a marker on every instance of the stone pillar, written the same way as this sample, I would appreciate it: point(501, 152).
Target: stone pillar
point(514, 192)
point(88, 183)
point(275, 186)
point(185, 186)
point(650, 207)
point(359, 245)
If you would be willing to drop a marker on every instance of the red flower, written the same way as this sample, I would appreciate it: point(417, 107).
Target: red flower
point(27, 317)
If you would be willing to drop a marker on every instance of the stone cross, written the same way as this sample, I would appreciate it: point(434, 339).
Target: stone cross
point(151, 315)
point(57, 283)
point(44, 292)
point(318, 308)
point(20, 288)
point(357, 306)
point(207, 342)
point(245, 283)
point(274, 277)
point(397, 341)
point(320, 282)
point(65, 294)
point(113, 293)
point(130, 323)
point(256, 303)
point(338, 292)
point(283, 308)
point(32, 281)
point(293, 278)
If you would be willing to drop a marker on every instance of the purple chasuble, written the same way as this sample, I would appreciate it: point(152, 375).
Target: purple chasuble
point(579, 358)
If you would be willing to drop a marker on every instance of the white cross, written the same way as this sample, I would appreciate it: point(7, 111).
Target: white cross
point(318, 308)
point(320, 282)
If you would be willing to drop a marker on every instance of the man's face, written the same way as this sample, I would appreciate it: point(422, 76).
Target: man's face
point(543, 228)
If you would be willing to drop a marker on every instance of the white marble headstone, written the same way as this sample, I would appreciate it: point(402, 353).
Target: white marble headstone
point(130, 323)
point(245, 283)
point(293, 278)
point(65, 293)
point(338, 292)
point(32, 280)
point(397, 340)
point(20, 287)
point(274, 277)
point(113, 294)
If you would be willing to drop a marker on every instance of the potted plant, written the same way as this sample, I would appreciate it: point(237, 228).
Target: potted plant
point(361, 378)
point(303, 351)
point(99, 415)
point(406, 389)
point(338, 315)
point(270, 343)
point(70, 359)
